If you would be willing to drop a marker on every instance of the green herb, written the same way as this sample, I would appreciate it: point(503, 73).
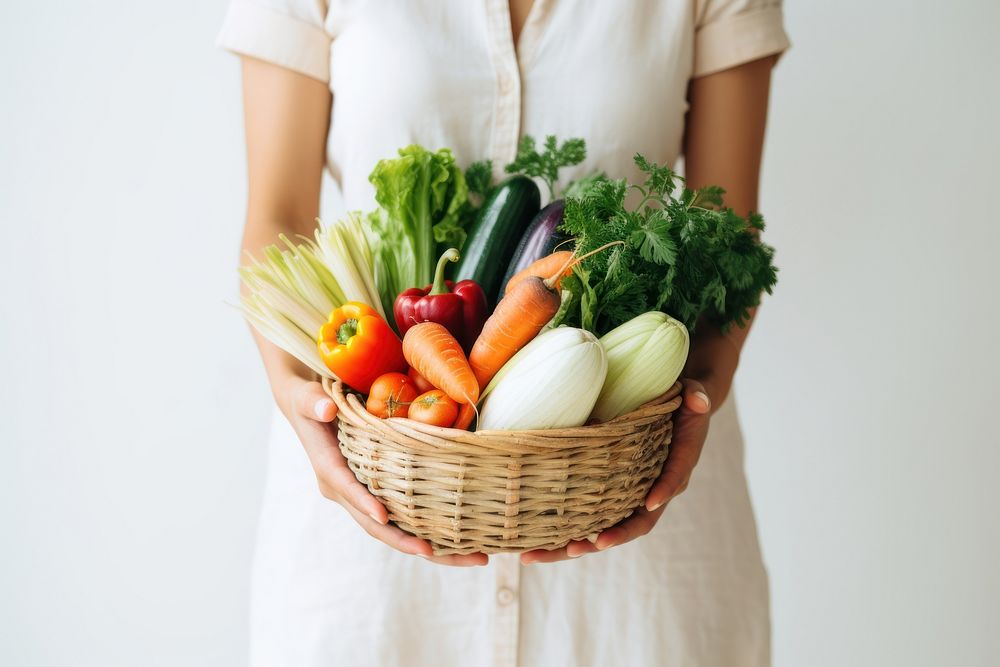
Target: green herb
point(479, 178)
point(546, 165)
point(583, 185)
point(685, 255)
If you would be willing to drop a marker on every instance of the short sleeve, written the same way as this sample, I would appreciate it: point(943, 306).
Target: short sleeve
point(733, 32)
point(289, 33)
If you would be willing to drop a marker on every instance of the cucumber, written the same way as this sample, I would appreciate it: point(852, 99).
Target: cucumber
point(494, 235)
point(540, 239)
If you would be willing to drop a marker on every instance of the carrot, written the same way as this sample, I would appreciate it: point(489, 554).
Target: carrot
point(523, 311)
point(543, 268)
point(466, 413)
point(438, 357)
point(518, 318)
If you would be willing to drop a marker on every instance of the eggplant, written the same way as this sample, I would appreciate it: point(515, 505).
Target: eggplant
point(540, 239)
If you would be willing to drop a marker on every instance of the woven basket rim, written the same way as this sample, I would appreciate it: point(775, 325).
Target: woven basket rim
point(350, 407)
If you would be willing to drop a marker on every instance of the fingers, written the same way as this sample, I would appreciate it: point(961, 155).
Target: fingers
point(637, 525)
point(312, 414)
point(579, 548)
point(461, 560)
point(688, 438)
point(574, 549)
point(390, 535)
point(411, 544)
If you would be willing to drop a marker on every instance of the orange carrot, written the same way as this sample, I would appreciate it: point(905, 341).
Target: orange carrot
point(520, 315)
point(543, 268)
point(466, 413)
point(438, 357)
point(518, 318)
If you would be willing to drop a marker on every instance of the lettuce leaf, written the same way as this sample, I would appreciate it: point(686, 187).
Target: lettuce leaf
point(422, 198)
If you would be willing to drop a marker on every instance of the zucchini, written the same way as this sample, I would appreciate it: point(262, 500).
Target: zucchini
point(539, 240)
point(493, 236)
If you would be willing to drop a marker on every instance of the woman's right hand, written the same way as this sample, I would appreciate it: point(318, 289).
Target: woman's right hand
point(312, 414)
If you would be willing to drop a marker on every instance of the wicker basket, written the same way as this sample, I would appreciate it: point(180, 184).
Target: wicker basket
point(505, 491)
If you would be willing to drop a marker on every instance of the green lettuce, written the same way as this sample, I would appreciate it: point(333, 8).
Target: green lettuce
point(423, 203)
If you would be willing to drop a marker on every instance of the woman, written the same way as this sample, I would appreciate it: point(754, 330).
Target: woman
point(343, 84)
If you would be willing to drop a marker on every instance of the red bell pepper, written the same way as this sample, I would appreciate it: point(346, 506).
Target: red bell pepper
point(458, 307)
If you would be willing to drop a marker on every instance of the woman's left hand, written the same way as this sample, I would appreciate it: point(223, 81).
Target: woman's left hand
point(690, 431)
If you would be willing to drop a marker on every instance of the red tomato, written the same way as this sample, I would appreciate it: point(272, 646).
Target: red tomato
point(435, 408)
point(390, 395)
point(418, 381)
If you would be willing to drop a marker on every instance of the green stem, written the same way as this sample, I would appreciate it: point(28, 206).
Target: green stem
point(551, 182)
point(439, 287)
point(347, 331)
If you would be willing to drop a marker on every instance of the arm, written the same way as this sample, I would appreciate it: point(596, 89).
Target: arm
point(722, 146)
point(287, 117)
point(723, 143)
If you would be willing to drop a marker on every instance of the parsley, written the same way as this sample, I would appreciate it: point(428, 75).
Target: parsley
point(684, 253)
point(479, 179)
point(546, 165)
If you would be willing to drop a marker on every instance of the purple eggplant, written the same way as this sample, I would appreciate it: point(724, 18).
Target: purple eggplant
point(539, 240)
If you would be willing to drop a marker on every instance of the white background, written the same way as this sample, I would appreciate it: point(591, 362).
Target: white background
point(133, 410)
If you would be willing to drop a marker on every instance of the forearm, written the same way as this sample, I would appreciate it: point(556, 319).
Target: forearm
point(266, 220)
point(724, 141)
point(286, 118)
point(714, 357)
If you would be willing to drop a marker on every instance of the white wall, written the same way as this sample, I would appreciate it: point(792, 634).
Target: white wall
point(133, 430)
point(868, 389)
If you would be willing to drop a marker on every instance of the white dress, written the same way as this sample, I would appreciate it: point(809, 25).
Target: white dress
point(446, 73)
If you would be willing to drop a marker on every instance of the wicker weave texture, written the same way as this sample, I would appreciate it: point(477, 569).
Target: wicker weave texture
point(505, 491)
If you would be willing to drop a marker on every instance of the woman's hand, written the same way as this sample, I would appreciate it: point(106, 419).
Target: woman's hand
point(312, 414)
point(723, 138)
point(690, 430)
point(708, 376)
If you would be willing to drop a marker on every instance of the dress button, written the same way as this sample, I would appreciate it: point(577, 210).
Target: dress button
point(505, 596)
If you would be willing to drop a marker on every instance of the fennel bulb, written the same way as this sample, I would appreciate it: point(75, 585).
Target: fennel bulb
point(552, 382)
point(645, 358)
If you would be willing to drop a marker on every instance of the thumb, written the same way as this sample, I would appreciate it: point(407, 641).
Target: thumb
point(695, 397)
point(313, 403)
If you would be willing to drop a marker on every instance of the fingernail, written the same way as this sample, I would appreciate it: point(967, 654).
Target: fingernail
point(606, 546)
point(375, 517)
point(574, 555)
point(703, 396)
point(424, 556)
point(320, 407)
point(657, 506)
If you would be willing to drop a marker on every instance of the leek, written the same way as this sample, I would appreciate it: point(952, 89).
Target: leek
point(290, 293)
point(552, 382)
point(645, 358)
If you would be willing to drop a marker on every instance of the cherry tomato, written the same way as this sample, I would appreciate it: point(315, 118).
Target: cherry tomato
point(418, 381)
point(435, 408)
point(390, 395)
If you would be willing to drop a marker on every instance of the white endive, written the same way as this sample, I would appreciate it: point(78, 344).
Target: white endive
point(645, 358)
point(552, 382)
point(343, 248)
point(289, 296)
